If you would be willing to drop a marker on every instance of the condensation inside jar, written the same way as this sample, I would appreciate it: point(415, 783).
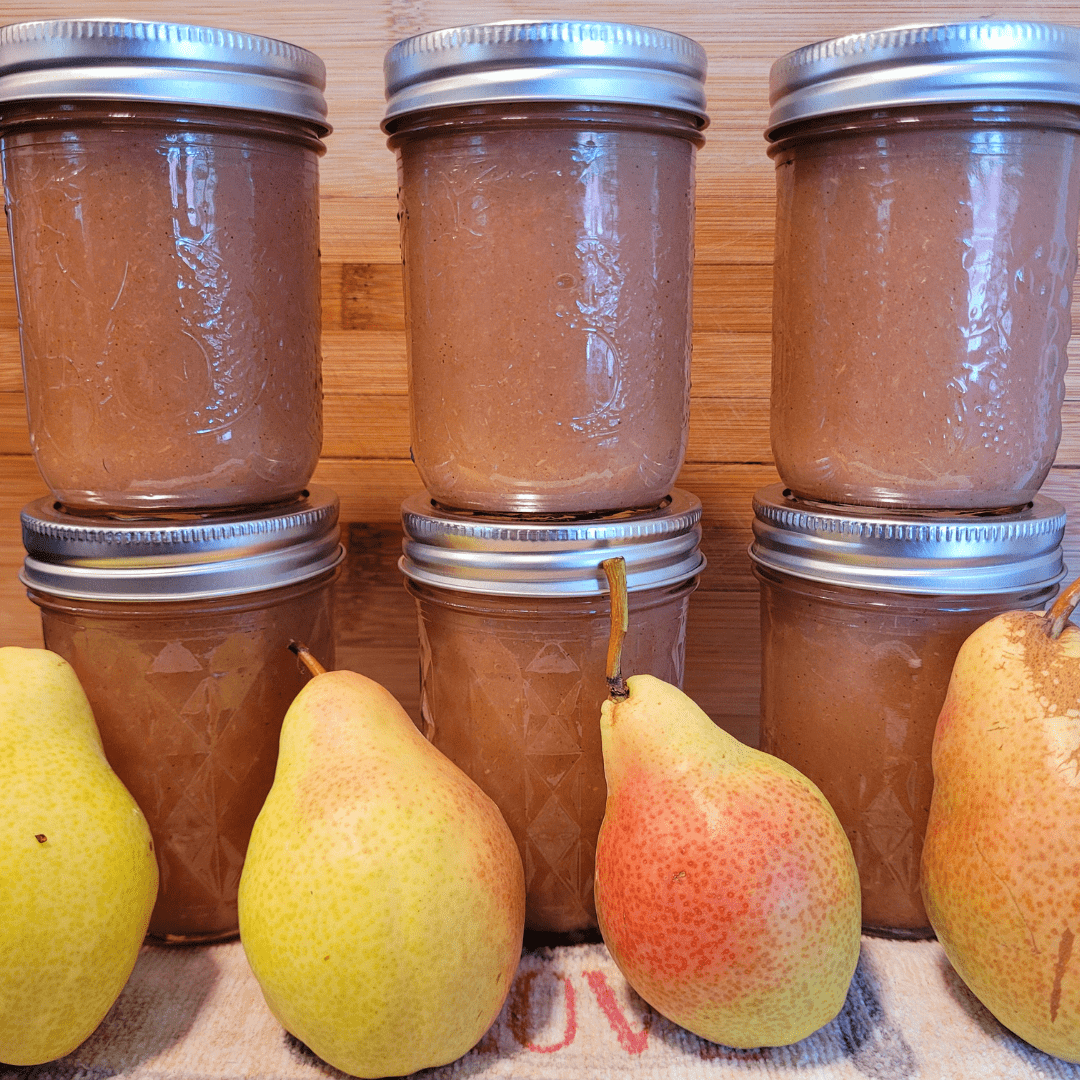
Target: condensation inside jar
point(852, 684)
point(548, 254)
point(923, 280)
point(167, 277)
point(511, 690)
point(189, 698)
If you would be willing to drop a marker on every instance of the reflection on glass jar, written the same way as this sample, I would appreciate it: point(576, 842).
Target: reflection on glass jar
point(925, 255)
point(548, 255)
point(166, 257)
point(184, 657)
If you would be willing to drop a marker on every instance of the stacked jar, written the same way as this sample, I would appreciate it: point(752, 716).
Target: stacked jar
point(161, 187)
point(546, 191)
point(928, 188)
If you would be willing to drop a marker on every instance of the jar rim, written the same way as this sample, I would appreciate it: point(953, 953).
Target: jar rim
point(915, 552)
point(564, 60)
point(182, 556)
point(974, 62)
point(525, 556)
point(164, 62)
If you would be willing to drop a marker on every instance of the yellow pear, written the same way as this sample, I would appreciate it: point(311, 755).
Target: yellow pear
point(1001, 861)
point(78, 877)
point(726, 890)
point(382, 900)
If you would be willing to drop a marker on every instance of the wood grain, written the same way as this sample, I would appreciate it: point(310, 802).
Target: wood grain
point(366, 447)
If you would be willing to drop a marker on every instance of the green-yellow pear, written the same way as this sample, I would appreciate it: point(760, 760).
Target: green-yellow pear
point(382, 900)
point(726, 890)
point(1001, 861)
point(78, 877)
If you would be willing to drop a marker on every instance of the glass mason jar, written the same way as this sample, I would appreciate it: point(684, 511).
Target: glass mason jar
point(161, 187)
point(862, 616)
point(179, 632)
point(514, 623)
point(928, 192)
point(546, 190)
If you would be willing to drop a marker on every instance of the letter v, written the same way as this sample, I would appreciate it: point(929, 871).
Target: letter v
point(633, 1042)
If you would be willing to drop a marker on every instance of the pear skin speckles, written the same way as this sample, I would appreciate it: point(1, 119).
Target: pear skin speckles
point(382, 901)
point(725, 887)
point(1001, 862)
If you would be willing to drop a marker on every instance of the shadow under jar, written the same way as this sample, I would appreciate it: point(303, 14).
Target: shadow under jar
point(546, 191)
point(862, 615)
point(928, 193)
point(514, 624)
point(161, 187)
point(179, 633)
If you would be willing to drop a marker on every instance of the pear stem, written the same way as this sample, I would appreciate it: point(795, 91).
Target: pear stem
point(307, 658)
point(1063, 608)
point(615, 569)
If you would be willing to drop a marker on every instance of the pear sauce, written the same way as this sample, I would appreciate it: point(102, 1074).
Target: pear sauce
point(514, 622)
point(179, 632)
point(162, 192)
point(547, 223)
point(928, 194)
point(862, 615)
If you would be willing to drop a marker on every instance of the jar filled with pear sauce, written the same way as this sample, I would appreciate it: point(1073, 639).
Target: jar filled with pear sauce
point(179, 632)
point(928, 196)
point(162, 194)
point(546, 190)
point(862, 615)
point(514, 622)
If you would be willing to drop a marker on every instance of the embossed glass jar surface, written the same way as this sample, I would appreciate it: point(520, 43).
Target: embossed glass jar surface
point(514, 623)
point(165, 237)
point(862, 616)
point(180, 636)
point(548, 254)
point(925, 253)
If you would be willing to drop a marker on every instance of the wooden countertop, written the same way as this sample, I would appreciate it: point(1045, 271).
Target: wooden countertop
point(365, 456)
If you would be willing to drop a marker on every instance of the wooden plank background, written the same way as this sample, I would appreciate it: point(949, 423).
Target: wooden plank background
point(365, 455)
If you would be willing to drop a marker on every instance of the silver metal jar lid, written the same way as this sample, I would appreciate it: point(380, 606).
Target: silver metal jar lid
point(945, 554)
point(574, 60)
point(974, 62)
point(517, 557)
point(191, 558)
point(172, 63)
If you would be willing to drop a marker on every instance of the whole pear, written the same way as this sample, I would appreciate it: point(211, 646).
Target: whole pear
point(726, 890)
point(78, 877)
point(1001, 861)
point(382, 900)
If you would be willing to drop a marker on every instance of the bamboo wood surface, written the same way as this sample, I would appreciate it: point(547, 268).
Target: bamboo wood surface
point(366, 448)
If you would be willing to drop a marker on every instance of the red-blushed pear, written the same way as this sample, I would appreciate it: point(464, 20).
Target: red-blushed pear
point(382, 900)
point(1001, 861)
point(726, 890)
